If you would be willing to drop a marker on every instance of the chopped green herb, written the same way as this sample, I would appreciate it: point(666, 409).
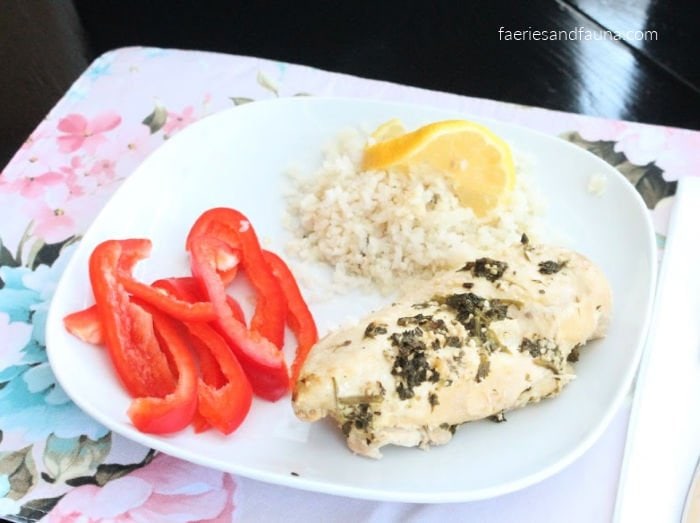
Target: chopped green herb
point(476, 313)
point(545, 353)
point(499, 417)
point(359, 416)
point(487, 268)
point(433, 400)
point(447, 426)
point(484, 367)
point(411, 367)
point(453, 341)
point(551, 267)
point(573, 355)
point(527, 345)
point(423, 322)
point(373, 329)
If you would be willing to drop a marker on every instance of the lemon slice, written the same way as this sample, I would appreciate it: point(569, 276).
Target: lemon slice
point(389, 130)
point(478, 162)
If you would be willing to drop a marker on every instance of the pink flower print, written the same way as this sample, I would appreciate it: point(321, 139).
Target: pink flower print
point(103, 171)
point(166, 490)
point(128, 146)
point(139, 141)
point(32, 186)
point(79, 132)
point(675, 151)
point(51, 225)
point(681, 154)
point(78, 179)
point(176, 122)
point(641, 145)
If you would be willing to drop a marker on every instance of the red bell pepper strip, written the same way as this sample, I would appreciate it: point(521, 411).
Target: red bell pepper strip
point(262, 361)
point(233, 228)
point(209, 367)
point(223, 406)
point(199, 424)
point(299, 317)
point(181, 287)
point(209, 224)
point(127, 328)
point(85, 325)
point(227, 265)
point(178, 309)
point(163, 415)
point(187, 289)
point(133, 251)
point(224, 392)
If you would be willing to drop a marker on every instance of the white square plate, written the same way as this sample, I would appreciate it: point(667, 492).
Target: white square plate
point(238, 158)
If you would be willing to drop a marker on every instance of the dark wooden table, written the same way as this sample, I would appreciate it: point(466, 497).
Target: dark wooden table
point(648, 71)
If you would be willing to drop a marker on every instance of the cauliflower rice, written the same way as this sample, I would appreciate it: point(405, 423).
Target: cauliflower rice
point(381, 228)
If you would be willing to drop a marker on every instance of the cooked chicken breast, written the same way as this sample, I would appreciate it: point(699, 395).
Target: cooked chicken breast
point(495, 335)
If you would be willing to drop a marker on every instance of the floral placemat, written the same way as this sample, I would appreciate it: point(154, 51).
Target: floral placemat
point(56, 462)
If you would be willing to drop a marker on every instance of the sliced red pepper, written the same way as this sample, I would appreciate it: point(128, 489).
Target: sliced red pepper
point(210, 368)
point(127, 328)
point(208, 224)
point(199, 424)
point(133, 251)
point(236, 309)
point(178, 309)
point(299, 317)
point(262, 361)
point(183, 287)
point(233, 228)
point(223, 406)
point(224, 392)
point(85, 325)
point(162, 415)
point(188, 289)
point(227, 265)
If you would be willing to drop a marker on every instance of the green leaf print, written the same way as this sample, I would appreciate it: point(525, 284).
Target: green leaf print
point(68, 458)
point(241, 100)
point(36, 509)
point(19, 467)
point(647, 179)
point(156, 120)
point(265, 82)
point(6, 257)
point(109, 471)
point(47, 253)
